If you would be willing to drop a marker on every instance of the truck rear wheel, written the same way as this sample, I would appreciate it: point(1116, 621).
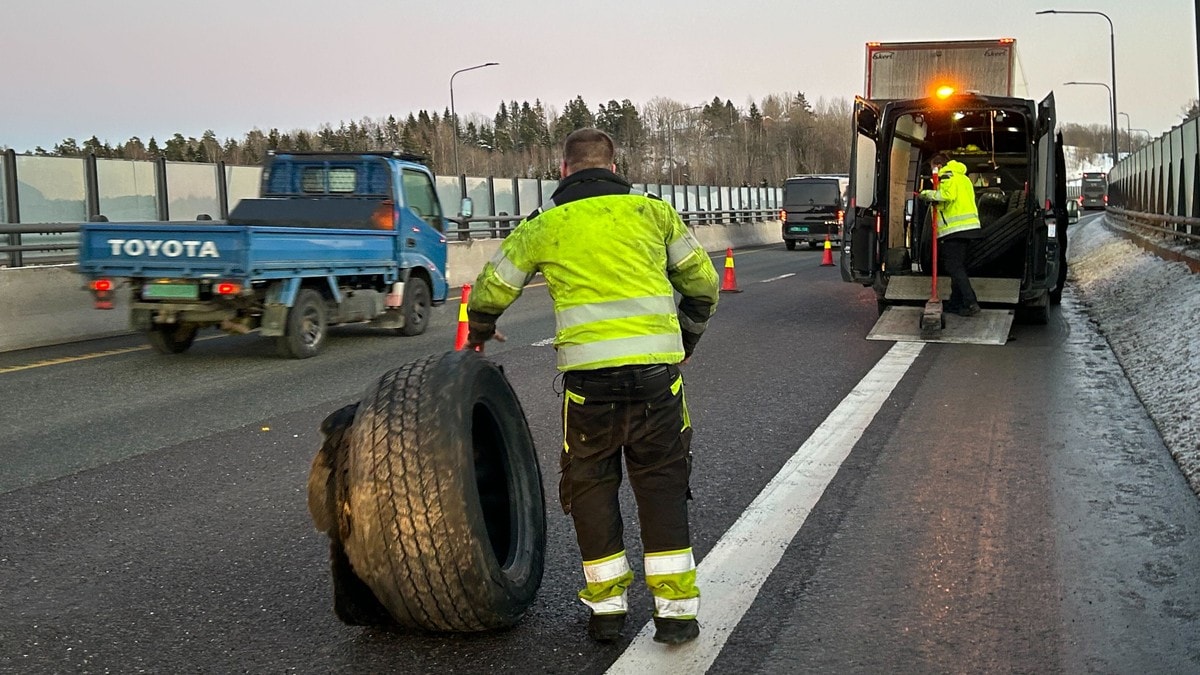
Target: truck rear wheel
point(444, 518)
point(416, 308)
point(307, 327)
point(171, 338)
point(791, 244)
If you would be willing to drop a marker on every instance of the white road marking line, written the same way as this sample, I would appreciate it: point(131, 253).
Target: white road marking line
point(543, 343)
point(731, 575)
point(781, 276)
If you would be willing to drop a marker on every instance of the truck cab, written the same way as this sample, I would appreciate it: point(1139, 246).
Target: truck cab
point(1013, 157)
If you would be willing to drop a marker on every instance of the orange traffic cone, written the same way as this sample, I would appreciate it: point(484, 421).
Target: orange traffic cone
point(460, 340)
point(729, 285)
point(827, 259)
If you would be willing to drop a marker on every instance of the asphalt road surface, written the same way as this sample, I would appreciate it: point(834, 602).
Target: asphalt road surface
point(993, 509)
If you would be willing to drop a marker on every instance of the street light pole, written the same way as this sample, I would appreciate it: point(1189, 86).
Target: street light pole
point(671, 137)
point(1128, 133)
point(454, 116)
point(1112, 47)
point(1112, 104)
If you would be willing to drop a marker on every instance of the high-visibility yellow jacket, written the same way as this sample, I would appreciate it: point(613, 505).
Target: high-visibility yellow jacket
point(612, 258)
point(955, 196)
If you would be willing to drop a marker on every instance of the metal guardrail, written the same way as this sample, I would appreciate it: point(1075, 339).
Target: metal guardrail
point(498, 227)
point(1177, 228)
point(63, 250)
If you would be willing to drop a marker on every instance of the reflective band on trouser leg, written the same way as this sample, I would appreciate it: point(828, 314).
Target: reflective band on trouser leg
point(671, 576)
point(607, 580)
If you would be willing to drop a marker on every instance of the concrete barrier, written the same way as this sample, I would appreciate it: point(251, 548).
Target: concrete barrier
point(50, 305)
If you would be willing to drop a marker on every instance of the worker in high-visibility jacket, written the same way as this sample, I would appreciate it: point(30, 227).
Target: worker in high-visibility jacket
point(612, 258)
point(958, 224)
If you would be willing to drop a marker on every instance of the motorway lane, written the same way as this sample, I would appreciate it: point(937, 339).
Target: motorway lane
point(1015, 511)
point(186, 544)
point(157, 521)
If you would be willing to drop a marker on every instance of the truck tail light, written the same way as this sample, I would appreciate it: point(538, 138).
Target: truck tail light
point(841, 216)
point(782, 215)
point(1106, 200)
point(384, 217)
point(228, 288)
point(102, 290)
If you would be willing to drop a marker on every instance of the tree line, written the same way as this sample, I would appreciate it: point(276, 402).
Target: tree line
point(662, 141)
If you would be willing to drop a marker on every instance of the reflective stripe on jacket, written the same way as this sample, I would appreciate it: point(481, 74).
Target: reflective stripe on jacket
point(955, 195)
point(612, 259)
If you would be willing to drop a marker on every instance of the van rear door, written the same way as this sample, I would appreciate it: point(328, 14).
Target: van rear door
point(857, 260)
point(1050, 190)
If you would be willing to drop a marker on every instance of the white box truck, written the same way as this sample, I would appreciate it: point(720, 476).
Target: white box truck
point(906, 70)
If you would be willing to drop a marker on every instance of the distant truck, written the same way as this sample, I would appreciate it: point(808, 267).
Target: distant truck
point(908, 70)
point(334, 238)
point(1014, 157)
point(1093, 191)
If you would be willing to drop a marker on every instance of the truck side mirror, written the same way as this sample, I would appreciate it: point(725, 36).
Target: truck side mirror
point(467, 208)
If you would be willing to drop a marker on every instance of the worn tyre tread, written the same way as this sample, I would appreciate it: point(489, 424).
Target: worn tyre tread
point(410, 536)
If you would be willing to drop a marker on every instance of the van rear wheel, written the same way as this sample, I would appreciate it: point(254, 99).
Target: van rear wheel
point(790, 244)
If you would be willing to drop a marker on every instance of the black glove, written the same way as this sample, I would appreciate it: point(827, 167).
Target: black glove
point(479, 332)
point(690, 340)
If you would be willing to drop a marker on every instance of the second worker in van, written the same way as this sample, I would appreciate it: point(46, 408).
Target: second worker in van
point(958, 224)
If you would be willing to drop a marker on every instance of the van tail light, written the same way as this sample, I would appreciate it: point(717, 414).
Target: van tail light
point(384, 217)
point(102, 291)
point(1106, 200)
point(228, 288)
point(841, 217)
point(782, 214)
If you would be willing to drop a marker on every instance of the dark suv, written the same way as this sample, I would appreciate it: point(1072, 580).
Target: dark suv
point(813, 207)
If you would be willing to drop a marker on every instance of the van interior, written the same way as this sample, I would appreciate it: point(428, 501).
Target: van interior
point(995, 146)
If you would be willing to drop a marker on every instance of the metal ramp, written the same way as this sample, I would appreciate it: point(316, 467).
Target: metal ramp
point(987, 289)
point(902, 323)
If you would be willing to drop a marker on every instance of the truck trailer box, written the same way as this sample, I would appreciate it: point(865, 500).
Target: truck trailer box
point(909, 70)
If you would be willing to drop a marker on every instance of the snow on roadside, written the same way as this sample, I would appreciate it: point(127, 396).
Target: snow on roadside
point(1149, 310)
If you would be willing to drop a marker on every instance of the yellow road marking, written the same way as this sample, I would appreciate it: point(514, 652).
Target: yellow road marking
point(85, 357)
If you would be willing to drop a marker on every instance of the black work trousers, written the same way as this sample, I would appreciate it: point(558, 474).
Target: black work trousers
point(637, 412)
point(953, 252)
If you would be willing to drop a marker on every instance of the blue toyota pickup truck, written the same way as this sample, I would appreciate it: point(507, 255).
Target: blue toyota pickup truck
point(333, 238)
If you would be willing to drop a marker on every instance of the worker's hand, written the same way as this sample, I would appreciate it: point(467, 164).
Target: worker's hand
point(479, 333)
point(926, 195)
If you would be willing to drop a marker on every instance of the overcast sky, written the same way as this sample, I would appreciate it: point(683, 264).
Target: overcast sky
point(119, 68)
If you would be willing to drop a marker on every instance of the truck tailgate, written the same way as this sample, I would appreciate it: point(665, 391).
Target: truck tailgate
point(177, 250)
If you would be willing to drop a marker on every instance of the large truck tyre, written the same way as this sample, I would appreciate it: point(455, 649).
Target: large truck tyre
point(171, 338)
point(307, 326)
point(438, 505)
point(353, 601)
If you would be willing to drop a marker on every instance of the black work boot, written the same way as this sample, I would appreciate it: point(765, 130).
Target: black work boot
point(675, 631)
point(606, 627)
point(970, 310)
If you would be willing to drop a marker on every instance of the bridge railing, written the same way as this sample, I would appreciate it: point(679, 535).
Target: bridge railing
point(1157, 188)
point(43, 200)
